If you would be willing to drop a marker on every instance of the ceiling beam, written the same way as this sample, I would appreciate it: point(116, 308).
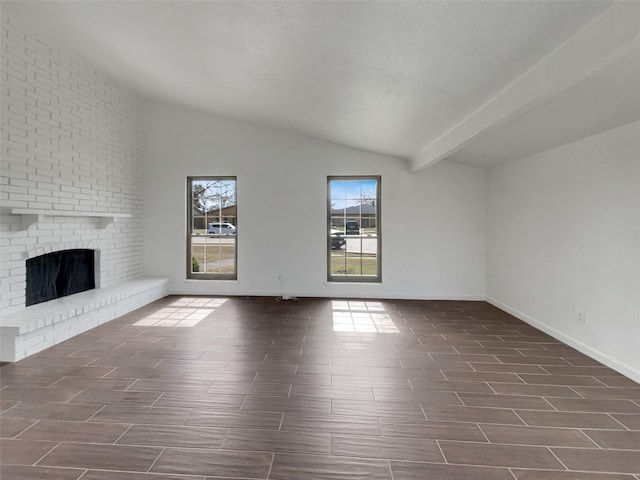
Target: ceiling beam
point(606, 39)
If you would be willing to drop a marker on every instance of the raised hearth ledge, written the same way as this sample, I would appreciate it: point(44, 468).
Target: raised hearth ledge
point(41, 326)
point(32, 216)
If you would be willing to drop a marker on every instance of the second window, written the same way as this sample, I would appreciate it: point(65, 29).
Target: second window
point(353, 233)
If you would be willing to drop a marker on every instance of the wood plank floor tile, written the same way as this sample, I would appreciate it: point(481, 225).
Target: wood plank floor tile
point(131, 364)
point(23, 452)
point(199, 401)
point(428, 385)
point(540, 390)
point(377, 408)
point(140, 415)
point(620, 393)
point(507, 368)
point(235, 419)
point(494, 455)
point(548, 475)
point(84, 372)
point(40, 395)
point(218, 463)
point(503, 416)
point(333, 392)
point(247, 388)
point(611, 461)
point(568, 380)
point(617, 381)
point(129, 371)
point(632, 422)
point(369, 381)
point(277, 441)
point(594, 405)
point(481, 376)
point(355, 370)
point(424, 471)
point(354, 425)
point(568, 419)
point(164, 384)
point(94, 383)
point(424, 397)
point(173, 436)
point(600, 371)
point(111, 475)
point(621, 440)
point(297, 467)
point(22, 472)
point(543, 436)
point(78, 432)
point(8, 404)
point(105, 457)
point(395, 427)
point(10, 427)
point(396, 448)
point(531, 360)
point(116, 397)
point(527, 402)
point(287, 404)
point(53, 411)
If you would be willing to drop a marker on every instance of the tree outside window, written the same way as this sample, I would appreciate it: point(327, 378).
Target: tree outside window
point(212, 228)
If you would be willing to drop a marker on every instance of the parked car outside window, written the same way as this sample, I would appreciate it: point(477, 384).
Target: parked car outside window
point(352, 227)
point(221, 229)
point(337, 240)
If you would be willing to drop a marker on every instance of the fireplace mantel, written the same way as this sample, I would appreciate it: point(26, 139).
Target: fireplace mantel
point(32, 216)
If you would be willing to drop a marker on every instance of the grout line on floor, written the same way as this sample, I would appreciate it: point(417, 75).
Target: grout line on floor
point(48, 452)
point(156, 459)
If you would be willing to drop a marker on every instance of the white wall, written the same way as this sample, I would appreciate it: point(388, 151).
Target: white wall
point(71, 141)
point(564, 236)
point(433, 222)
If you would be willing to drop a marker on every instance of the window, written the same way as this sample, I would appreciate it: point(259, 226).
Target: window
point(212, 228)
point(353, 229)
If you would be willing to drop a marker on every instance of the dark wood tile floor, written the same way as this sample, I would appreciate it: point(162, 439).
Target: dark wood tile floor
point(315, 389)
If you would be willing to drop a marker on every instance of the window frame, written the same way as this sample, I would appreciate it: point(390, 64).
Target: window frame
point(209, 276)
point(332, 278)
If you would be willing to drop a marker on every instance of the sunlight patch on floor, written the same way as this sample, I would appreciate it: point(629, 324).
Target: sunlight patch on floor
point(361, 317)
point(184, 312)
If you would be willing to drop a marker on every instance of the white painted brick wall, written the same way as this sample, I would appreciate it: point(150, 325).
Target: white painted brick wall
point(71, 140)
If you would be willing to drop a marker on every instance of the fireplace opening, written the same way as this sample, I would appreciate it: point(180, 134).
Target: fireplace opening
point(59, 274)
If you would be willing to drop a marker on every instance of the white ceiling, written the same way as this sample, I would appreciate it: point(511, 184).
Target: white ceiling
point(389, 77)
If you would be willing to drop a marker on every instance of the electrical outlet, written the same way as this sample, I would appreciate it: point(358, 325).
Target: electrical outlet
point(581, 318)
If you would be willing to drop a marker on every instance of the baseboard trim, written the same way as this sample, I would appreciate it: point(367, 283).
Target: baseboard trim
point(192, 287)
point(603, 358)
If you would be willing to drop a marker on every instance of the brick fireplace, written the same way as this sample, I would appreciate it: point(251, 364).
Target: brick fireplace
point(72, 148)
point(70, 178)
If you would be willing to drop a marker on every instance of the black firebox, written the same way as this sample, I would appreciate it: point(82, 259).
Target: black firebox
point(59, 274)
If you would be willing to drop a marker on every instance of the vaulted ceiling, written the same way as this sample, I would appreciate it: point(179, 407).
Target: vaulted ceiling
point(476, 82)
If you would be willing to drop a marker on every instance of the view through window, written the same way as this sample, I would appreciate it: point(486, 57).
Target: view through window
point(212, 232)
point(353, 234)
